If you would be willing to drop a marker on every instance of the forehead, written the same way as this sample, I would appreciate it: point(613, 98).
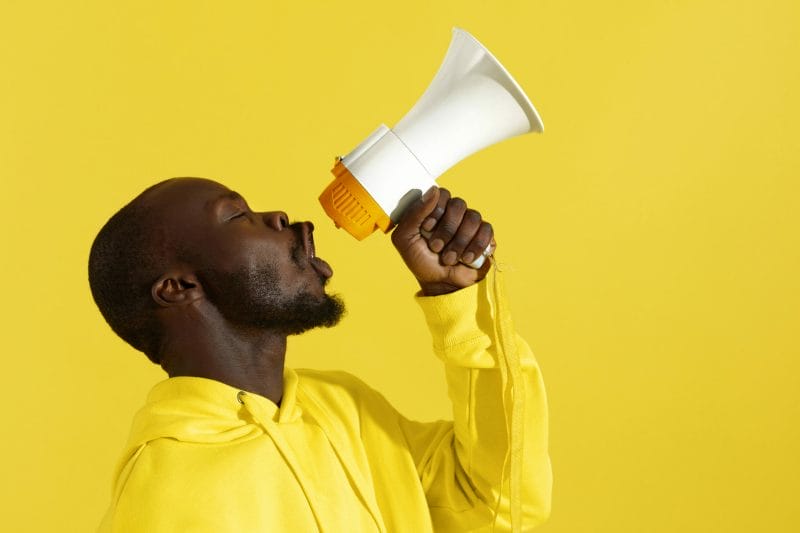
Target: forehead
point(187, 195)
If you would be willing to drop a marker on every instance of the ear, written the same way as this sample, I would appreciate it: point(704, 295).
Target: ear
point(176, 288)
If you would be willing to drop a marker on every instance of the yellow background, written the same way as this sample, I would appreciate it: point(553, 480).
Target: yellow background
point(652, 230)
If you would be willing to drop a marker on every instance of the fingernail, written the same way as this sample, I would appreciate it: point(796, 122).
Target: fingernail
point(437, 245)
point(429, 224)
point(450, 258)
point(428, 194)
point(468, 257)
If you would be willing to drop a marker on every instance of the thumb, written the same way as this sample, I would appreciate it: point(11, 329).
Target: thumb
point(418, 211)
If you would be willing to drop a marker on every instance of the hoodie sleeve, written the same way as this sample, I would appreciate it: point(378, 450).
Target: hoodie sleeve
point(465, 465)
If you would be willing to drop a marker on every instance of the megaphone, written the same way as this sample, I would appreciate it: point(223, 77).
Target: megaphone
point(472, 102)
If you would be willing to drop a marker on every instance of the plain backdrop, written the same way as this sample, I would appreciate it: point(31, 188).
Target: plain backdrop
point(651, 233)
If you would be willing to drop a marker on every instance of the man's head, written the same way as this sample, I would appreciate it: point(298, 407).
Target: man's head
point(189, 241)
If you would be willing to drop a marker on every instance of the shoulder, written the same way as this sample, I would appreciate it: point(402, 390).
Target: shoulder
point(340, 392)
point(330, 380)
point(333, 385)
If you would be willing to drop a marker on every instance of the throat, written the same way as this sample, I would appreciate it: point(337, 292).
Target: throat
point(252, 367)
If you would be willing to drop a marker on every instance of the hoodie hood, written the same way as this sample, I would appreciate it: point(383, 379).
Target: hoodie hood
point(205, 411)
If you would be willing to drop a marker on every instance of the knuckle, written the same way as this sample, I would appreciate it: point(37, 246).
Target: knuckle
point(472, 216)
point(482, 239)
point(445, 230)
point(459, 241)
point(437, 212)
point(457, 203)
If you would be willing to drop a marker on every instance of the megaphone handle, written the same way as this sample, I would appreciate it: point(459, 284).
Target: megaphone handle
point(477, 263)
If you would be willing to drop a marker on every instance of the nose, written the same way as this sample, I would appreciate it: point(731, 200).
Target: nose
point(277, 220)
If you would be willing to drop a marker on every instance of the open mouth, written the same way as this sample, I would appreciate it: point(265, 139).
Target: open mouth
point(309, 236)
point(322, 268)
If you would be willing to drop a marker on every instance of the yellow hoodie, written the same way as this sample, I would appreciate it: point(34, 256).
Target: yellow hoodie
point(336, 456)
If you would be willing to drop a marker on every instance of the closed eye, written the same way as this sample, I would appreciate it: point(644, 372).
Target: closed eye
point(243, 214)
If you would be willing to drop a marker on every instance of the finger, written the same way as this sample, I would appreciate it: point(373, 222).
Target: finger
point(448, 224)
point(418, 211)
point(433, 218)
point(470, 224)
point(483, 262)
point(484, 236)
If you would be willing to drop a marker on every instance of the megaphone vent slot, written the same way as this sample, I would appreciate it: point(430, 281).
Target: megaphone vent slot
point(348, 206)
point(351, 207)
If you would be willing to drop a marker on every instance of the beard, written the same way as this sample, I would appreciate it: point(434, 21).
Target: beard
point(252, 297)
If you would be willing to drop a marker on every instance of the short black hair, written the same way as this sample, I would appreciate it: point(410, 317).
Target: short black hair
point(126, 258)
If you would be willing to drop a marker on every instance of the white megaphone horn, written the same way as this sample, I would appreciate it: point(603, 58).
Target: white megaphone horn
point(472, 102)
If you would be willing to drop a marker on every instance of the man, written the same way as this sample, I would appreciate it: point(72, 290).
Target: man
point(233, 441)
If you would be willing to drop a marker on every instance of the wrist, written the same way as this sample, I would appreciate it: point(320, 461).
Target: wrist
point(437, 288)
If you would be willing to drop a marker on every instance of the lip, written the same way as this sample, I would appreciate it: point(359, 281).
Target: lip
point(321, 267)
point(307, 230)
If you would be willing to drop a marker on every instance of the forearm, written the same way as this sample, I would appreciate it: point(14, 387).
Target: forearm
point(463, 328)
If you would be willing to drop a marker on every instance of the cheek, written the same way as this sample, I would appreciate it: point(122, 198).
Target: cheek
point(284, 259)
point(250, 254)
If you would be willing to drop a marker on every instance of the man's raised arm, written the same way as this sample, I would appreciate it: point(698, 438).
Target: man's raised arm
point(466, 466)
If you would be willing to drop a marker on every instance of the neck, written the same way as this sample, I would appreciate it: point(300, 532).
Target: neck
point(250, 360)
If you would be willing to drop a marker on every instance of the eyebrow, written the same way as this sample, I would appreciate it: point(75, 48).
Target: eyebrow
point(230, 195)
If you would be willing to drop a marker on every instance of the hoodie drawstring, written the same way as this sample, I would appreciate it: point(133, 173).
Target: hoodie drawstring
point(263, 420)
point(513, 392)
